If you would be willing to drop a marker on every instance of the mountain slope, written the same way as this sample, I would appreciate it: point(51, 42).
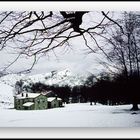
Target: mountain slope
point(6, 96)
point(11, 79)
point(60, 78)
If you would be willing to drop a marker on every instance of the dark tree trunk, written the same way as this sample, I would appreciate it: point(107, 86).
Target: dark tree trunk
point(90, 102)
point(135, 107)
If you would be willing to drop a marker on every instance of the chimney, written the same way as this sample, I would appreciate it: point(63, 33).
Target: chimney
point(26, 95)
point(18, 92)
point(56, 97)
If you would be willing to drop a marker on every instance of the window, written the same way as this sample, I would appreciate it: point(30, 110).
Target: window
point(38, 101)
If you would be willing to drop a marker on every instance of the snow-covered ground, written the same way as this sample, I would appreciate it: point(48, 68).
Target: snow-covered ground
point(72, 115)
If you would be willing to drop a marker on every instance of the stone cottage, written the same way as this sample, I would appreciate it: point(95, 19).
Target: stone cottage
point(36, 101)
point(54, 102)
point(30, 101)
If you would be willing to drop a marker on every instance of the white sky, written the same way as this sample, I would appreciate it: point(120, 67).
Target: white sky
point(75, 59)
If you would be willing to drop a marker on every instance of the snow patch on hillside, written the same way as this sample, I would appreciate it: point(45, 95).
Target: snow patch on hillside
point(11, 79)
point(6, 96)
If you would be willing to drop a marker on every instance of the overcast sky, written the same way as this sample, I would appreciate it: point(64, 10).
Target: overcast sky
point(75, 58)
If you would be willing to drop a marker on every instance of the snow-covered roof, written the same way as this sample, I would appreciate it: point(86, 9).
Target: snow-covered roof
point(27, 95)
point(28, 104)
point(47, 92)
point(59, 99)
point(50, 99)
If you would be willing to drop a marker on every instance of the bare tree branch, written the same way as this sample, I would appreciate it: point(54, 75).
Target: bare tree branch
point(113, 21)
point(40, 32)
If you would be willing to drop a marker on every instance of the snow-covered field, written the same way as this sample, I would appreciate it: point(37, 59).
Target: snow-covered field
point(72, 115)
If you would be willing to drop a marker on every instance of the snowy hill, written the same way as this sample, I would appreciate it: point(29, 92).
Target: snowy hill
point(11, 79)
point(6, 96)
point(61, 78)
point(7, 84)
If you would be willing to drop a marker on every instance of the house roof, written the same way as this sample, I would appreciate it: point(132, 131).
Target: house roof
point(48, 93)
point(28, 104)
point(50, 99)
point(59, 99)
point(29, 95)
